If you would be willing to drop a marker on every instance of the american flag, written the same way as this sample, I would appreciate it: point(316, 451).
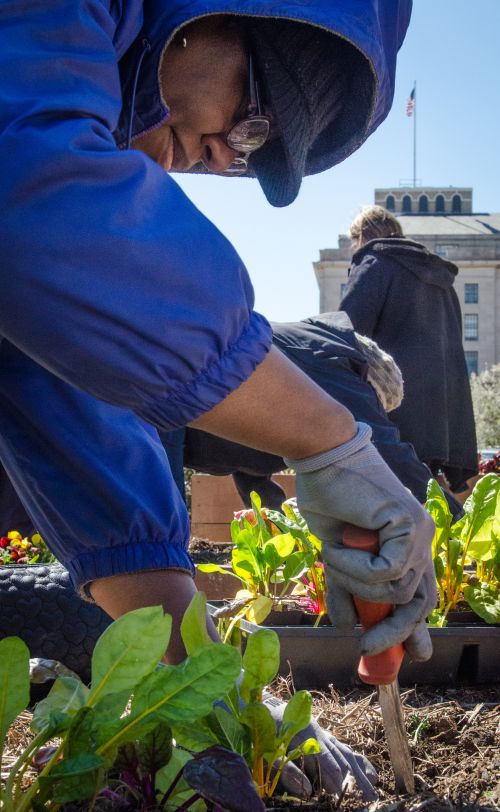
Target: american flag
point(410, 103)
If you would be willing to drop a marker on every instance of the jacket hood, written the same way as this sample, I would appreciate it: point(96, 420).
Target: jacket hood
point(413, 257)
point(375, 29)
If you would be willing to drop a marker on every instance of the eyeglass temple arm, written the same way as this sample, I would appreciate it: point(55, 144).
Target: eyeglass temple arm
point(254, 106)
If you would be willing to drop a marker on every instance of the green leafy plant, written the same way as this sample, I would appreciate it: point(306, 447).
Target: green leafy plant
point(122, 722)
point(272, 552)
point(466, 554)
point(418, 726)
point(242, 722)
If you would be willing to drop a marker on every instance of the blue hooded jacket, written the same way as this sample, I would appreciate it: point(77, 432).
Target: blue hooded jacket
point(111, 278)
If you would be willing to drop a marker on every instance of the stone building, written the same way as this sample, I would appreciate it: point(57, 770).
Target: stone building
point(442, 219)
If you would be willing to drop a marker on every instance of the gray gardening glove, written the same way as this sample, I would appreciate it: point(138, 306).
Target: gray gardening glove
point(352, 484)
point(329, 768)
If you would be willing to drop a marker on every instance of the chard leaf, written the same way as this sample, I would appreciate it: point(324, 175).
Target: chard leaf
point(186, 692)
point(262, 728)
point(14, 681)
point(155, 749)
point(73, 779)
point(212, 568)
point(216, 773)
point(64, 700)
point(480, 505)
point(128, 649)
point(295, 566)
point(455, 548)
point(198, 737)
point(260, 663)
point(261, 524)
point(259, 609)
point(285, 544)
point(438, 508)
point(480, 547)
point(484, 599)
point(297, 715)
point(194, 624)
point(234, 733)
point(271, 556)
point(309, 747)
point(439, 567)
point(245, 563)
point(182, 792)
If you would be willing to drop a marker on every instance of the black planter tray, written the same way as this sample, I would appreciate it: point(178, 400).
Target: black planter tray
point(317, 657)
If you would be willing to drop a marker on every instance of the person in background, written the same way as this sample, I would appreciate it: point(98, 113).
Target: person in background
point(350, 368)
point(124, 311)
point(402, 296)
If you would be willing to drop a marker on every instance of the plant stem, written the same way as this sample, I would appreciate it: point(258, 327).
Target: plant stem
point(25, 804)
point(22, 762)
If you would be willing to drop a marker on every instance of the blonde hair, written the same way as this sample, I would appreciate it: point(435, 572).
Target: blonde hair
point(373, 222)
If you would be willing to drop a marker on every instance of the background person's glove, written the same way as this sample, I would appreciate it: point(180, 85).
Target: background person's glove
point(352, 484)
point(328, 769)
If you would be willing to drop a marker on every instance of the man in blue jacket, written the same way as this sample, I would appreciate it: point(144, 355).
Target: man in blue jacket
point(123, 310)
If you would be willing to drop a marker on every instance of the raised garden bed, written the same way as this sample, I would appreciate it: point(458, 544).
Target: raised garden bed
point(319, 657)
point(214, 499)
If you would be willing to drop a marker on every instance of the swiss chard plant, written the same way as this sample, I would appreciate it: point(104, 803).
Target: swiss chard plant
point(272, 555)
point(113, 738)
point(242, 723)
point(466, 553)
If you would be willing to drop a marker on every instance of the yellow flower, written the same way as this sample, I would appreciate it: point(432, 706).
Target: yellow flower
point(14, 535)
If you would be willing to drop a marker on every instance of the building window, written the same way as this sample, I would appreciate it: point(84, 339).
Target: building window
point(406, 205)
point(471, 359)
point(442, 250)
point(456, 204)
point(440, 204)
point(423, 204)
point(471, 327)
point(390, 203)
point(471, 293)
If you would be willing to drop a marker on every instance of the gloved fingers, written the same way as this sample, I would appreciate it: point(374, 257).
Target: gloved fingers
point(332, 765)
point(363, 771)
point(363, 763)
point(327, 769)
point(418, 645)
point(399, 626)
point(293, 780)
point(400, 591)
point(391, 566)
point(341, 609)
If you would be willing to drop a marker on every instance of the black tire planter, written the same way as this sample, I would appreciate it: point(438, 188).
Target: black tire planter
point(39, 605)
point(318, 657)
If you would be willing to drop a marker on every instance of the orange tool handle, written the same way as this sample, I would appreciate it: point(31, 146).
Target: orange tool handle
point(383, 668)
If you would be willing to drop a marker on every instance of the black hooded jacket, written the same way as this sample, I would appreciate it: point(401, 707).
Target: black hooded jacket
point(401, 295)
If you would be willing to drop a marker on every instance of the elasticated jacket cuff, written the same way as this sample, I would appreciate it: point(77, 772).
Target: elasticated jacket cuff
point(335, 455)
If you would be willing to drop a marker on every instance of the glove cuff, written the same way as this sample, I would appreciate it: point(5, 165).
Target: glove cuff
point(334, 455)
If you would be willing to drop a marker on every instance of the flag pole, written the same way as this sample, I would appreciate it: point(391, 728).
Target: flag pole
point(415, 134)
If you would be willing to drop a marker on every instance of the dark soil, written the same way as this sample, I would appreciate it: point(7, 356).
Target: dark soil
point(203, 551)
point(454, 739)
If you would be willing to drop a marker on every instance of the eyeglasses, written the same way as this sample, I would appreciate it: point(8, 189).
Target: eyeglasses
point(250, 133)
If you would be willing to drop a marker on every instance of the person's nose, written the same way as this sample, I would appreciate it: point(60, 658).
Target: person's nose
point(216, 155)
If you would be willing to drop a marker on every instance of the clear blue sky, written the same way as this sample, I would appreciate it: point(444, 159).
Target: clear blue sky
point(452, 51)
